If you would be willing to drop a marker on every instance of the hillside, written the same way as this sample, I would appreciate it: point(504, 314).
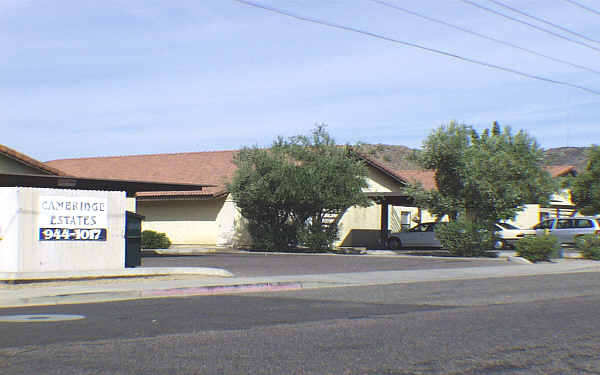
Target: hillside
point(567, 155)
point(398, 157)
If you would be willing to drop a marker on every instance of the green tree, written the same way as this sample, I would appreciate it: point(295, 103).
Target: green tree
point(481, 178)
point(585, 187)
point(288, 192)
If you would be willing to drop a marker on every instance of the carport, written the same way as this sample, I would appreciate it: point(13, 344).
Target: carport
point(385, 199)
point(76, 183)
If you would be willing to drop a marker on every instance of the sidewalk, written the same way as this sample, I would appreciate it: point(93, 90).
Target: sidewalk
point(192, 282)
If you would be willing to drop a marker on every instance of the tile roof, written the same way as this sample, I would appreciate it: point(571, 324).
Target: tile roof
point(212, 168)
point(380, 166)
point(209, 167)
point(561, 170)
point(427, 177)
point(30, 162)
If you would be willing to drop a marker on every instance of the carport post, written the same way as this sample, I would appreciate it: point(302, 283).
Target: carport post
point(384, 222)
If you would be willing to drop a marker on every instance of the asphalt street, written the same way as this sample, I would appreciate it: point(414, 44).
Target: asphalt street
point(520, 325)
point(266, 264)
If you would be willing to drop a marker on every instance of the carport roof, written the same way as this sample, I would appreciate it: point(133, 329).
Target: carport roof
point(78, 183)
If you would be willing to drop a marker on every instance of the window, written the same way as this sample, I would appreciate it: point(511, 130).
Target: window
point(506, 226)
point(564, 224)
point(583, 223)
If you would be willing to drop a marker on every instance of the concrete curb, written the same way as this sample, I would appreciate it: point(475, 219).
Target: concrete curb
point(21, 277)
point(90, 292)
point(518, 260)
point(109, 296)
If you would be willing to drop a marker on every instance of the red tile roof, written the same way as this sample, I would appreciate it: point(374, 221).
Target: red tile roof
point(427, 177)
point(561, 170)
point(30, 162)
point(212, 168)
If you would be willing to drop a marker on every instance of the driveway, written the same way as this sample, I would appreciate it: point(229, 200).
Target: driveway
point(264, 264)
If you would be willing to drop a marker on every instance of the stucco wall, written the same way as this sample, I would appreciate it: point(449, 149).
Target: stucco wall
point(186, 222)
point(359, 226)
point(380, 182)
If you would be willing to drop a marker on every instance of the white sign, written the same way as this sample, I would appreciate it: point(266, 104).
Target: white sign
point(72, 218)
point(72, 212)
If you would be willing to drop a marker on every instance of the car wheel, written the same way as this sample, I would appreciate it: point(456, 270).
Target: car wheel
point(394, 244)
point(499, 244)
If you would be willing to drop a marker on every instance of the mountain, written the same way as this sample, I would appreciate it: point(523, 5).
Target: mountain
point(576, 156)
point(398, 157)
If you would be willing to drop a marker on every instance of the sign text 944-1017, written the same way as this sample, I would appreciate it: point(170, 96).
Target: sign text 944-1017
point(76, 234)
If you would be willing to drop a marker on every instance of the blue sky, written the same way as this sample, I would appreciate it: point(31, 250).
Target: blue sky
point(119, 77)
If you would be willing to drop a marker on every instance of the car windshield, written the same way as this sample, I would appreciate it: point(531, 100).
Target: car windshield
point(507, 226)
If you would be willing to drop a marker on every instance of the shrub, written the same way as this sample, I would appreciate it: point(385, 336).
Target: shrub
point(589, 245)
point(272, 235)
point(538, 248)
point(318, 238)
point(155, 240)
point(463, 238)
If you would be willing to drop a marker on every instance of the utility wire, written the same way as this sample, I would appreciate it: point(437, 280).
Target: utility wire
point(384, 3)
point(499, 3)
point(529, 24)
point(583, 7)
point(433, 50)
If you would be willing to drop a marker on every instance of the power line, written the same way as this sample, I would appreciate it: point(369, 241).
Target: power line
point(384, 3)
point(433, 50)
point(583, 7)
point(529, 24)
point(499, 3)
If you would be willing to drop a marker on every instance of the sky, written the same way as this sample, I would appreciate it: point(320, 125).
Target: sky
point(121, 77)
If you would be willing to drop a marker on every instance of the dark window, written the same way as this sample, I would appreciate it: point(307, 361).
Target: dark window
point(583, 223)
point(507, 226)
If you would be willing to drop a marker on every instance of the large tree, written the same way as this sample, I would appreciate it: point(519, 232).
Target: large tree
point(288, 192)
point(585, 189)
point(487, 177)
point(482, 178)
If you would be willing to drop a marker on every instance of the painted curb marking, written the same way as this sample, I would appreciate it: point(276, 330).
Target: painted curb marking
point(219, 289)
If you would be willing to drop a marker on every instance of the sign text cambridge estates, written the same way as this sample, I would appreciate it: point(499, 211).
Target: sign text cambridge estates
point(72, 218)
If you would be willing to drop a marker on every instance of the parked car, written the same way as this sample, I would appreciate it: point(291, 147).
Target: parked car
point(422, 235)
point(507, 234)
point(567, 229)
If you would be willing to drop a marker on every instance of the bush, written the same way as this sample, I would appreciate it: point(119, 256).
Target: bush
point(538, 248)
point(318, 238)
point(463, 238)
point(589, 245)
point(267, 236)
point(155, 240)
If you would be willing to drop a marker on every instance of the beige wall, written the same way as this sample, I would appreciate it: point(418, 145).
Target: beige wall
point(530, 215)
point(186, 222)
point(8, 165)
point(359, 226)
point(380, 182)
point(131, 205)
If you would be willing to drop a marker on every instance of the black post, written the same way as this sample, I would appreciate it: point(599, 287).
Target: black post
point(384, 222)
